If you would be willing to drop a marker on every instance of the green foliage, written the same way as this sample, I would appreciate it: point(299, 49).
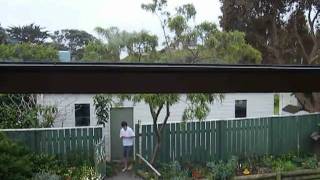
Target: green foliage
point(198, 105)
point(281, 165)
point(46, 115)
point(15, 163)
point(27, 52)
point(285, 32)
point(141, 43)
point(223, 170)
point(43, 163)
point(202, 43)
point(232, 48)
point(158, 8)
point(178, 25)
point(278, 164)
point(310, 163)
point(3, 36)
point(22, 111)
point(28, 34)
point(187, 10)
point(102, 103)
point(73, 40)
point(173, 171)
point(82, 173)
point(98, 51)
point(116, 39)
point(51, 167)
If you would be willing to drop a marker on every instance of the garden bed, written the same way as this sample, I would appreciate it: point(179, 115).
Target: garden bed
point(300, 174)
point(287, 166)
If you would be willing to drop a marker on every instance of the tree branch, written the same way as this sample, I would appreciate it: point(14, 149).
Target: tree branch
point(311, 24)
point(166, 118)
point(315, 17)
point(296, 33)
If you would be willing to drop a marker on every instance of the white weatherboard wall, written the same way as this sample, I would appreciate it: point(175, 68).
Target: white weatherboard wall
point(258, 105)
point(65, 104)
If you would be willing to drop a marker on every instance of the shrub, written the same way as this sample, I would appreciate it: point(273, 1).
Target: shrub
point(47, 164)
point(223, 170)
point(173, 171)
point(310, 163)
point(82, 173)
point(15, 160)
point(283, 163)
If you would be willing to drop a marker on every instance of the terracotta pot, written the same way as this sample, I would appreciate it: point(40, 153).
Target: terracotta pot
point(196, 174)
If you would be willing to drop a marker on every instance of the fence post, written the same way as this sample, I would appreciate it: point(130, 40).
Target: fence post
point(36, 142)
point(137, 142)
point(222, 139)
point(270, 123)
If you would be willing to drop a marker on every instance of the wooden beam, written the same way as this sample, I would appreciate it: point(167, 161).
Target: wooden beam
point(155, 78)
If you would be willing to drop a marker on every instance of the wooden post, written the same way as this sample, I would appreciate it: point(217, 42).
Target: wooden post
point(271, 131)
point(137, 136)
point(222, 139)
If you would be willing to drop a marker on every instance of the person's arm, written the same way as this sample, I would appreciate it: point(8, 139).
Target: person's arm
point(132, 135)
point(121, 134)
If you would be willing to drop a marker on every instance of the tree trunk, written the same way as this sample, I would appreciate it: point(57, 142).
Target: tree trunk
point(156, 148)
point(310, 102)
point(158, 130)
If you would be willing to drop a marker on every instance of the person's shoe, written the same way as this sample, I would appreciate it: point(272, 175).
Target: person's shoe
point(124, 169)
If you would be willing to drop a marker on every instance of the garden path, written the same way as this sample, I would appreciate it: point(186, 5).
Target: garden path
point(128, 175)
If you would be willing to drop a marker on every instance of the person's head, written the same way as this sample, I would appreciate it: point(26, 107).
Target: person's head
point(124, 124)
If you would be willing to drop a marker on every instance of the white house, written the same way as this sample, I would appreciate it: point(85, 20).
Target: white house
point(79, 109)
point(234, 105)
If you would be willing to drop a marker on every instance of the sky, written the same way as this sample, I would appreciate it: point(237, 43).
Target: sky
point(88, 14)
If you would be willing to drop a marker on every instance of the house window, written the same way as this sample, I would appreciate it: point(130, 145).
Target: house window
point(82, 114)
point(240, 108)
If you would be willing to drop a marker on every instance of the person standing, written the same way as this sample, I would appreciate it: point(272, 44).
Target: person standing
point(127, 136)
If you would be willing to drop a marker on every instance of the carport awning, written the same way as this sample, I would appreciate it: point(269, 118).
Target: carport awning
point(155, 78)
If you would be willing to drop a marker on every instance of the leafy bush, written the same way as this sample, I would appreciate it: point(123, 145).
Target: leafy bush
point(15, 160)
point(22, 111)
point(82, 173)
point(283, 163)
point(173, 171)
point(223, 170)
point(310, 163)
point(47, 164)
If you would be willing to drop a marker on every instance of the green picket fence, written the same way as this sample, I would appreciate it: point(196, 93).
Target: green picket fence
point(74, 143)
point(212, 140)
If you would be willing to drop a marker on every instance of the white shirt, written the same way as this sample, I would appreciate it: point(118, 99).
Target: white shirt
point(127, 136)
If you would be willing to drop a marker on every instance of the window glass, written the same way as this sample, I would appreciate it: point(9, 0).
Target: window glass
point(240, 108)
point(82, 114)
